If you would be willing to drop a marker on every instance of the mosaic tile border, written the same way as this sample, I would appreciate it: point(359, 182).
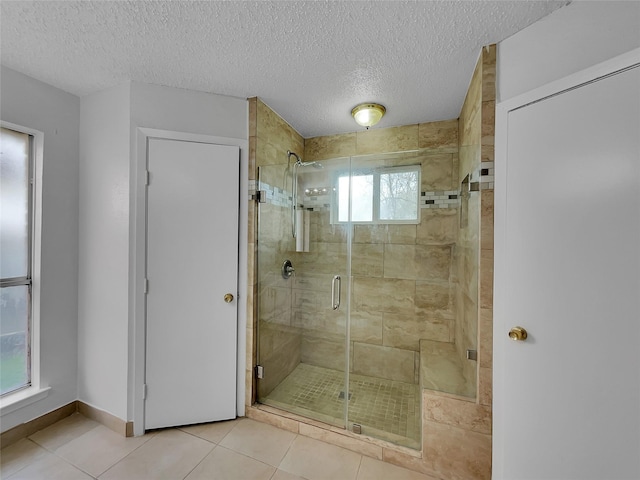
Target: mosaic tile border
point(440, 199)
point(487, 176)
point(428, 199)
point(483, 178)
point(275, 195)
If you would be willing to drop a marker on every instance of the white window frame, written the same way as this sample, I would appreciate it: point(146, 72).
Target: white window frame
point(377, 172)
point(17, 399)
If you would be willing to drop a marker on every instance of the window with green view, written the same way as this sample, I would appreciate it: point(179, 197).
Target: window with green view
point(15, 260)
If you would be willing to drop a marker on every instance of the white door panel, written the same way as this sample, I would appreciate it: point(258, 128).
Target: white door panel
point(568, 271)
point(192, 262)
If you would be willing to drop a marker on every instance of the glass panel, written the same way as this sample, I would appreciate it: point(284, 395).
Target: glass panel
point(278, 342)
point(14, 198)
point(301, 338)
point(388, 318)
point(463, 380)
point(14, 338)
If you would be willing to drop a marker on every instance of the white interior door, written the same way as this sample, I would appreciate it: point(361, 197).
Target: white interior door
point(567, 399)
point(192, 263)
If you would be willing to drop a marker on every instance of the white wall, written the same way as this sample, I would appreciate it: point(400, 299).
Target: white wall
point(571, 39)
point(104, 250)
point(175, 109)
point(33, 104)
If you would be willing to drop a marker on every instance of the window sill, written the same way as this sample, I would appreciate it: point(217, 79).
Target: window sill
point(16, 401)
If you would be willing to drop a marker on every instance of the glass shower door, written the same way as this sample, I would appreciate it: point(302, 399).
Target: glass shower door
point(388, 267)
point(302, 309)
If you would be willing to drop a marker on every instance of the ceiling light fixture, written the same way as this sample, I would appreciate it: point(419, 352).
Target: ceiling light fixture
point(368, 114)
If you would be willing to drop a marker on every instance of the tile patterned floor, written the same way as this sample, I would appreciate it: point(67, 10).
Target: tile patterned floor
point(386, 409)
point(242, 449)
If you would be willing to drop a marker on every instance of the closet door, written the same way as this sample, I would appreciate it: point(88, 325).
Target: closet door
point(567, 398)
point(192, 272)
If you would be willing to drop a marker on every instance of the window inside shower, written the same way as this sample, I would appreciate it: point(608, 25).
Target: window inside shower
point(383, 195)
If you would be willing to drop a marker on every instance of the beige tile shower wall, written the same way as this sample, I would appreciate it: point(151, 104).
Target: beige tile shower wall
point(437, 137)
point(275, 136)
point(403, 286)
point(269, 139)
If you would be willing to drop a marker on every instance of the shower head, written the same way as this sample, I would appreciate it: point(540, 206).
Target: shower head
point(299, 161)
point(292, 154)
point(310, 164)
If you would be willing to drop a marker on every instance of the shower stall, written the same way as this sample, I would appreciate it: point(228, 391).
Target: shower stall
point(359, 303)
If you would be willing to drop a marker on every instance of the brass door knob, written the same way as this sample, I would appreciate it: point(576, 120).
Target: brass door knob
point(518, 334)
point(228, 298)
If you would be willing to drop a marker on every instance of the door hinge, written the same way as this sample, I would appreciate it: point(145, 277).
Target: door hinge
point(146, 177)
point(259, 371)
point(144, 391)
point(260, 196)
point(146, 285)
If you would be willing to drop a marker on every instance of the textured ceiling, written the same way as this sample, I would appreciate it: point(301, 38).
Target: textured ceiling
point(311, 61)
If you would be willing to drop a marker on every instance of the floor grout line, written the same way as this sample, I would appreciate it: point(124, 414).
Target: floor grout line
point(215, 445)
point(64, 432)
point(359, 467)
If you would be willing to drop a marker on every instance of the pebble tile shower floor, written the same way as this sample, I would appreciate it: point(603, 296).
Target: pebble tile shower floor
point(385, 408)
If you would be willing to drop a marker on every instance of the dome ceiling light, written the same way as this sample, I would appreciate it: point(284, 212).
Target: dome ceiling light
point(368, 114)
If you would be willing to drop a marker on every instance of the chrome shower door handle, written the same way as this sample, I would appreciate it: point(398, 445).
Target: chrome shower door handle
point(335, 303)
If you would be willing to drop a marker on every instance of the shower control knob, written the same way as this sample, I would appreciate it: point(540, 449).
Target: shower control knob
point(228, 298)
point(287, 269)
point(518, 334)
